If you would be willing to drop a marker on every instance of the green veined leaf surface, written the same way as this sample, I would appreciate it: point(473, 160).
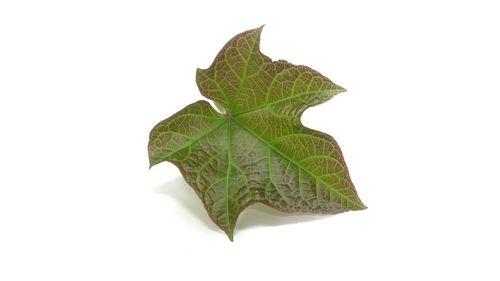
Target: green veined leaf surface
point(257, 150)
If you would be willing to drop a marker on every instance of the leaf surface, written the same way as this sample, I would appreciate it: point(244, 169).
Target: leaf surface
point(257, 150)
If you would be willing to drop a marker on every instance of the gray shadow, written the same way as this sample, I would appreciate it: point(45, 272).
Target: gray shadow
point(260, 215)
point(177, 188)
point(257, 215)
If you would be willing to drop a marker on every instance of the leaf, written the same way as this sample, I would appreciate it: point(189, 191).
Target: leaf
point(257, 151)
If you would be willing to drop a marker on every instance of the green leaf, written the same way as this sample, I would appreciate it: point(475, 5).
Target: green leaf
point(257, 151)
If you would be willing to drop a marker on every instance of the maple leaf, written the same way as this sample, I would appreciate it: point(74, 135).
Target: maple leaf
point(256, 150)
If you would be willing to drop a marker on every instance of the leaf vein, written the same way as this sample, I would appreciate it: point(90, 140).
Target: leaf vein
point(297, 164)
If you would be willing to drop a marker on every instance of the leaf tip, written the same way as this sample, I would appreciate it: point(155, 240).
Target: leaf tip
point(230, 234)
point(198, 71)
point(360, 206)
point(257, 30)
point(153, 162)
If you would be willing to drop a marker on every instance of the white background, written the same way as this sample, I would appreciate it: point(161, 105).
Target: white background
point(83, 82)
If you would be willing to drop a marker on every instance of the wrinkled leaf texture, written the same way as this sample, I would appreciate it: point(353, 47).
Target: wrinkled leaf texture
point(256, 150)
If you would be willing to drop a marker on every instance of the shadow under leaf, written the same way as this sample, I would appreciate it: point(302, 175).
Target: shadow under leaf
point(256, 215)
